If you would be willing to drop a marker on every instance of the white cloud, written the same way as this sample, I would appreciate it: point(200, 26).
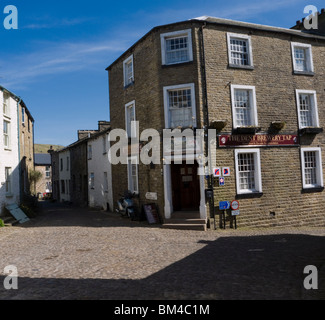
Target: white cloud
point(57, 58)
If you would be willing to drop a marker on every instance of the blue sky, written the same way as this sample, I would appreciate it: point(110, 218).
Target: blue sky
point(56, 59)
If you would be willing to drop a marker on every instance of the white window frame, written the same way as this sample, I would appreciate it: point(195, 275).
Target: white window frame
point(249, 51)
point(257, 171)
point(7, 135)
point(313, 101)
point(8, 183)
point(176, 34)
point(319, 167)
point(252, 100)
point(47, 172)
point(128, 80)
point(130, 128)
point(190, 86)
point(6, 104)
point(309, 57)
point(133, 161)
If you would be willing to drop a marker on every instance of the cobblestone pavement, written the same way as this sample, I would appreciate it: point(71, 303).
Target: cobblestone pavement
point(73, 253)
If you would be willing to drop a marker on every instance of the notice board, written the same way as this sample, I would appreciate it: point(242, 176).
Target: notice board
point(151, 213)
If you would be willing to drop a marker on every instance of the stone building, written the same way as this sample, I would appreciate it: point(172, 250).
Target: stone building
point(43, 165)
point(70, 168)
point(16, 148)
point(259, 89)
point(100, 192)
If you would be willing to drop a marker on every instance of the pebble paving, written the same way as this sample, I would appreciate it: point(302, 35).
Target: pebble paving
point(83, 254)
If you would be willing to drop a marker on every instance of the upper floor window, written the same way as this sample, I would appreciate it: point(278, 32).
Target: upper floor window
point(176, 47)
point(23, 115)
point(130, 124)
point(128, 71)
point(179, 102)
point(307, 108)
point(239, 50)
point(6, 104)
point(90, 152)
point(243, 106)
point(6, 134)
point(302, 58)
point(47, 172)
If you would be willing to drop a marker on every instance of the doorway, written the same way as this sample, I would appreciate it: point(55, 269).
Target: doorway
point(185, 187)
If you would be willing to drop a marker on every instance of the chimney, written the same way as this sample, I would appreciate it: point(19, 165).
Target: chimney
point(103, 125)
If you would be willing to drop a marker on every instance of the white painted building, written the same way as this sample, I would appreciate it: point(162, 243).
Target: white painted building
point(9, 150)
point(100, 193)
point(65, 175)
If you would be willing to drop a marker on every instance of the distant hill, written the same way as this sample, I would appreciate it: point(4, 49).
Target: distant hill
point(43, 148)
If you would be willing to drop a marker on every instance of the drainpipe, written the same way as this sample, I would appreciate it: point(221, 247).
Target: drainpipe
point(19, 161)
point(206, 120)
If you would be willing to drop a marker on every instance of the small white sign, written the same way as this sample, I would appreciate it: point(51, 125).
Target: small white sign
point(235, 212)
point(151, 196)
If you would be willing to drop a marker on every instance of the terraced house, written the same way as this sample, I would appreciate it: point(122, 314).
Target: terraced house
point(16, 148)
point(260, 88)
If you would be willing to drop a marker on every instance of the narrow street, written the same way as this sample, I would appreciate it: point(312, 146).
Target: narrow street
point(73, 253)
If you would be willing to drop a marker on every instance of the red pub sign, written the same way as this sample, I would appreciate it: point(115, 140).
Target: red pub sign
point(265, 140)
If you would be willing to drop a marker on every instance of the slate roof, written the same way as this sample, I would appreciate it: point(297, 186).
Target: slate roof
point(42, 159)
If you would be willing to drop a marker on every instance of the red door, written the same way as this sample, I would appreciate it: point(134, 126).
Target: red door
point(186, 187)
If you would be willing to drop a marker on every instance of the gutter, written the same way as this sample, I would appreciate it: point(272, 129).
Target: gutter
point(19, 160)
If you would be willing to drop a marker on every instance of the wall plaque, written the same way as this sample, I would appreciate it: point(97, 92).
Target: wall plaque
point(263, 140)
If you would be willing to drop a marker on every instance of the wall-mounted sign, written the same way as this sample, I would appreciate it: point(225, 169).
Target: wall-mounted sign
point(226, 171)
point(266, 140)
point(235, 205)
point(151, 196)
point(216, 172)
point(224, 205)
point(221, 181)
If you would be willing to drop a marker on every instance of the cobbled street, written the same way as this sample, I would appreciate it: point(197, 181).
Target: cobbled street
point(82, 254)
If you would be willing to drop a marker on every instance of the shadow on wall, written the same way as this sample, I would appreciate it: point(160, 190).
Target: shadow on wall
point(15, 186)
point(245, 268)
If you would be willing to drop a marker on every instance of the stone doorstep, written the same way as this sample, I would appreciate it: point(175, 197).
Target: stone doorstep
point(185, 226)
point(9, 221)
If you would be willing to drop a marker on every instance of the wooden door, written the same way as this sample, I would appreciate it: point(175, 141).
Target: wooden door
point(185, 187)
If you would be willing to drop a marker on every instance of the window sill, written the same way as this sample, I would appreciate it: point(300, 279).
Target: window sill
point(249, 195)
point(310, 130)
point(312, 189)
point(236, 66)
point(7, 149)
point(176, 64)
point(129, 85)
point(9, 195)
point(7, 116)
point(304, 73)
